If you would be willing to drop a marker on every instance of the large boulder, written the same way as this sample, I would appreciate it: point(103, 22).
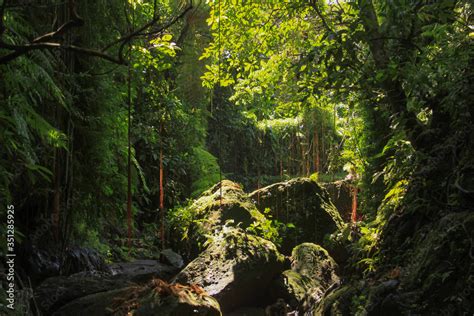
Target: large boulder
point(312, 272)
point(236, 269)
point(314, 262)
point(303, 203)
point(55, 292)
point(58, 291)
point(341, 193)
point(155, 298)
point(210, 213)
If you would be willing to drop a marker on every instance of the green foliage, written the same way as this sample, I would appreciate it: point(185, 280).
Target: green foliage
point(204, 171)
point(90, 237)
point(314, 177)
point(367, 248)
point(180, 219)
point(270, 229)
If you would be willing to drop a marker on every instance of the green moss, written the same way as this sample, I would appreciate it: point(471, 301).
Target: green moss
point(208, 215)
point(303, 203)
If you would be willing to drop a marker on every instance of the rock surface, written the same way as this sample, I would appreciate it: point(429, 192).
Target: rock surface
point(58, 291)
point(340, 193)
point(304, 203)
point(314, 262)
point(154, 298)
point(143, 270)
point(210, 214)
point(172, 258)
point(55, 292)
point(78, 259)
point(312, 272)
point(236, 269)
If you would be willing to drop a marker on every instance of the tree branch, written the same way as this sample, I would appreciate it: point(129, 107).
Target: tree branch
point(138, 32)
point(60, 31)
point(41, 42)
point(21, 50)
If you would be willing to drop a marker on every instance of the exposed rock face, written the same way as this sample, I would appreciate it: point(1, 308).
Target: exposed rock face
point(305, 204)
point(314, 262)
point(236, 269)
point(340, 193)
point(154, 298)
point(79, 259)
point(57, 291)
point(312, 272)
point(38, 263)
point(172, 258)
point(211, 214)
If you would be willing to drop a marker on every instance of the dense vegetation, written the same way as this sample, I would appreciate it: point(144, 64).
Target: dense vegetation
point(113, 115)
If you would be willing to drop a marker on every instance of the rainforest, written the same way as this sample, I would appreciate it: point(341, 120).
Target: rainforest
point(232, 157)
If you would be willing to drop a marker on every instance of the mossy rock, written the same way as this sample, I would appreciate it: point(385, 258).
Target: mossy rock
point(292, 287)
point(338, 302)
point(429, 273)
point(211, 214)
point(434, 269)
point(312, 272)
point(313, 261)
point(303, 203)
point(236, 268)
point(154, 298)
point(340, 193)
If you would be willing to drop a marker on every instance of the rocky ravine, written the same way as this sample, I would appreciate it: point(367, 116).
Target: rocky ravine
point(233, 271)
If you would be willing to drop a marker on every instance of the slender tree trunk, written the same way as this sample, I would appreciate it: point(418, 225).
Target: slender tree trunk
point(354, 204)
point(316, 149)
point(57, 195)
point(162, 199)
point(129, 156)
point(307, 155)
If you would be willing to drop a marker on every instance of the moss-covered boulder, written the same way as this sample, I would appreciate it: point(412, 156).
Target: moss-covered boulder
point(305, 204)
point(155, 298)
point(210, 214)
point(312, 272)
point(314, 262)
point(236, 268)
point(340, 193)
